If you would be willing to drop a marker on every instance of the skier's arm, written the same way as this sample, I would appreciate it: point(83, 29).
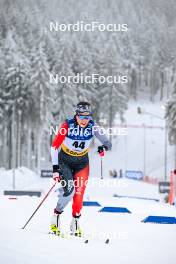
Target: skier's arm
point(102, 137)
point(59, 138)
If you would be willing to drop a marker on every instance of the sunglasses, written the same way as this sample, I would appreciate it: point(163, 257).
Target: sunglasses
point(88, 117)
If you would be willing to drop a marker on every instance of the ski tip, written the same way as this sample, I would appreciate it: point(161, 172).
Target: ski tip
point(86, 241)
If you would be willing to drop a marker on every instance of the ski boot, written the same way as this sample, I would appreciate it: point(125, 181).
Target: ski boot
point(55, 223)
point(75, 227)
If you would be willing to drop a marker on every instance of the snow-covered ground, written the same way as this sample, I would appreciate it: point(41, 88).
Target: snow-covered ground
point(131, 241)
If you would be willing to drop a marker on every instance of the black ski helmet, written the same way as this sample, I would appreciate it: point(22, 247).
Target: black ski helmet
point(83, 107)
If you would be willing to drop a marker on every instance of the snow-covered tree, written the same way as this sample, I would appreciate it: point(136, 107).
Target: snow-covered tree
point(171, 117)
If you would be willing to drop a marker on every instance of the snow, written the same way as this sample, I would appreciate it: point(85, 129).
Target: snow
point(131, 241)
point(24, 179)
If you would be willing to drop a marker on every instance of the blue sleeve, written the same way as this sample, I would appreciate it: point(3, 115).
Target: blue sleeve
point(100, 134)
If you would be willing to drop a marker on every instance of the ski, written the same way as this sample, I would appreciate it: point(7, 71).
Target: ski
point(82, 239)
point(86, 240)
point(89, 240)
point(54, 234)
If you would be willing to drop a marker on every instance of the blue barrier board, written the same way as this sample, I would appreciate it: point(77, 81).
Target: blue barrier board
point(135, 175)
point(108, 209)
point(160, 220)
point(91, 203)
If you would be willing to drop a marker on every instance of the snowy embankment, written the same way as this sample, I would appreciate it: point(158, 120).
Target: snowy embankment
point(25, 179)
point(131, 241)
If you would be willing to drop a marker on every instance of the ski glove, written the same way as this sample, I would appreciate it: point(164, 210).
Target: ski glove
point(56, 173)
point(101, 150)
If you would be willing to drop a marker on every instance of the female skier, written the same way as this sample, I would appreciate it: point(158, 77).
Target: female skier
point(71, 163)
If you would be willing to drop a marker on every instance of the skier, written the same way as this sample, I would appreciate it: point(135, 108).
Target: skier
point(71, 163)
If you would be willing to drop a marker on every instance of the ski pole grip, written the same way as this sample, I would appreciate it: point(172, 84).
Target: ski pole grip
point(101, 153)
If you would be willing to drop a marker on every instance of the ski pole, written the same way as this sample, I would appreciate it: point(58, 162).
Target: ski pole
point(101, 160)
point(39, 205)
point(101, 168)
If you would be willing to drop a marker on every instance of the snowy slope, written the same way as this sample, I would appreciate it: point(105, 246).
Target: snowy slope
point(130, 240)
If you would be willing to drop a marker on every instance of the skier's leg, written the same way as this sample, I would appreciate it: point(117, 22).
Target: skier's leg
point(65, 195)
point(67, 190)
point(55, 223)
point(81, 179)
